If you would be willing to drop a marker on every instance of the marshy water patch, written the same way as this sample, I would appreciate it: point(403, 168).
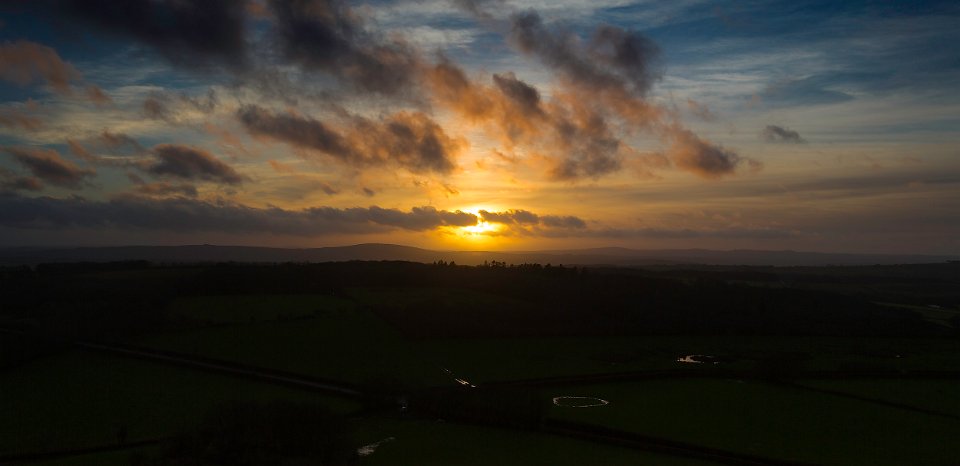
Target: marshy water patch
point(579, 401)
point(368, 450)
point(698, 359)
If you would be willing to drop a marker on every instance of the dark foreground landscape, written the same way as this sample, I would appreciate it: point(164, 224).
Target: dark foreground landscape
point(400, 363)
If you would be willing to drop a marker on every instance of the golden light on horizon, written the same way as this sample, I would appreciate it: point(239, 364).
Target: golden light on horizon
point(483, 230)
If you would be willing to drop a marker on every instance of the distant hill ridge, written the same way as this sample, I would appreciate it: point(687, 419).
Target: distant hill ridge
point(614, 256)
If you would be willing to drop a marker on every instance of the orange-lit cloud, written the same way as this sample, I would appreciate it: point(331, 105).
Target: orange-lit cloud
point(408, 139)
point(49, 166)
point(24, 62)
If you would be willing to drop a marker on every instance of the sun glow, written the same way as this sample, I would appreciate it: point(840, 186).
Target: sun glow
point(483, 228)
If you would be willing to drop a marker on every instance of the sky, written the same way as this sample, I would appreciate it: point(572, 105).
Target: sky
point(482, 124)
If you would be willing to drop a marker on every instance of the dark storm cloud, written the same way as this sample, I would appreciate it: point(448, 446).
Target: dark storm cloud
point(327, 35)
point(186, 32)
point(411, 140)
point(613, 57)
point(49, 166)
point(774, 133)
point(190, 215)
point(191, 163)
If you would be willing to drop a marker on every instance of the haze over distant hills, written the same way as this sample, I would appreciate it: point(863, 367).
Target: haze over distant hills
point(597, 256)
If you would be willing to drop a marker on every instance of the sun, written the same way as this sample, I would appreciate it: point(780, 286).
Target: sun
point(482, 229)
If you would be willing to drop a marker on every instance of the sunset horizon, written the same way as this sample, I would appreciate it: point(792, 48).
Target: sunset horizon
point(479, 125)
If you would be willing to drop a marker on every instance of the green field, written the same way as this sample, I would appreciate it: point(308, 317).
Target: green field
point(442, 444)
point(256, 308)
point(80, 399)
point(771, 421)
point(75, 399)
point(941, 396)
point(336, 340)
point(485, 360)
point(114, 458)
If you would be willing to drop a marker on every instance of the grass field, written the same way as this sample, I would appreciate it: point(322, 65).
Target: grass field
point(336, 340)
point(485, 360)
point(80, 399)
point(770, 421)
point(935, 395)
point(257, 308)
point(426, 443)
point(115, 458)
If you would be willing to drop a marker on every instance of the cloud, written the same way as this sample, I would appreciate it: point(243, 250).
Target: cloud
point(575, 134)
point(47, 165)
point(155, 109)
point(10, 181)
point(774, 133)
point(510, 217)
point(811, 90)
point(700, 110)
point(161, 188)
point(524, 222)
point(600, 101)
point(328, 35)
point(700, 157)
point(120, 147)
point(478, 8)
point(24, 63)
point(556, 221)
point(613, 58)
point(19, 120)
point(119, 141)
point(411, 140)
point(97, 96)
point(191, 163)
point(191, 215)
point(158, 211)
point(172, 107)
point(185, 32)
